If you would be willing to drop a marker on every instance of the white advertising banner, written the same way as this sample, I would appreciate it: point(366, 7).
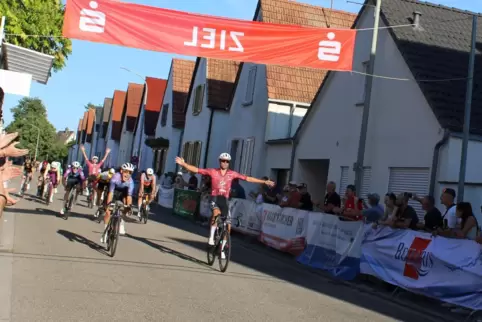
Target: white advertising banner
point(333, 245)
point(166, 197)
point(244, 216)
point(204, 207)
point(15, 83)
point(284, 228)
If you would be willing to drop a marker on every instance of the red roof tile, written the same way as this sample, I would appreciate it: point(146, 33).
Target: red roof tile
point(133, 105)
point(156, 89)
point(118, 104)
point(90, 121)
point(182, 73)
point(221, 76)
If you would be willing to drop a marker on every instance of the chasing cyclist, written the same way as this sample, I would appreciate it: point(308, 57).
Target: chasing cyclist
point(54, 176)
point(44, 168)
point(148, 185)
point(73, 177)
point(103, 180)
point(28, 166)
point(121, 187)
point(94, 166)
point(221, 180)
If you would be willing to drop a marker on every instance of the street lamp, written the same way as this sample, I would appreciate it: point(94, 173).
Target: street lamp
point(144, 102)
point(38, 138)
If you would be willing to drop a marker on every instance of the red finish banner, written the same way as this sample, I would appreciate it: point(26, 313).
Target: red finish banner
point(164, 30)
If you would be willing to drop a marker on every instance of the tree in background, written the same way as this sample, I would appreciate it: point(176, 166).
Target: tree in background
point(34, 17)
point(28, 115)
point(89, 105)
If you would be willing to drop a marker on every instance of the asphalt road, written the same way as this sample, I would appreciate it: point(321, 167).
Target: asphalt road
point(58, 271)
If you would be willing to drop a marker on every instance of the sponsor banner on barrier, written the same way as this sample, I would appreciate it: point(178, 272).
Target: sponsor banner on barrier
point(438, 267)
point(246, 216)
point(284, 228)
point(205, 207)
point(333, 245)
point(186, 202)
point(166, 197)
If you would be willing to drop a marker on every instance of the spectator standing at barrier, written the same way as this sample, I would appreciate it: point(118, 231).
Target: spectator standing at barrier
point(179, 182)
point(305, 200)
point(167, 180)
point(406, 216)
point(293, 197)
point(447, 199)
point(433, 217)
point(205, 185)
point(469, 227)
point(373, 211)
point(237, 190)
point(352, 206)
point(390, 206)
point(332, 199)
point(193, 182)
point(270, 193)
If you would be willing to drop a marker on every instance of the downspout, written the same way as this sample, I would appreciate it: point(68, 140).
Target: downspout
point(435, 161)
point(179, 147)
point(294, 145)
point(208, 140)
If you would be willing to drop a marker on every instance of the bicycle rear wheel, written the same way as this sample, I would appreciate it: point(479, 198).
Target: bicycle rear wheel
point(211, 252)
point(224, 262)
point(114, 235)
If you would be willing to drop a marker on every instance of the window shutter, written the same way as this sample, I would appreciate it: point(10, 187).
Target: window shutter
point(165, 110)
point(197, 153)
point(198, 100)
point(250, 85)
point(249, 156)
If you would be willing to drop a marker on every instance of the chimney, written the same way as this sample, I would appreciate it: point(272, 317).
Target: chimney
point(416, 19)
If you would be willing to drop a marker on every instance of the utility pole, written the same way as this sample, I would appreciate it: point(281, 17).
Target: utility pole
point(367, 101)
point(467, 112)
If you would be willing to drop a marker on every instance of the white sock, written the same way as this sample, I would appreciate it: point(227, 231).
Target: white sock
point(213, 230)
point(223, 244)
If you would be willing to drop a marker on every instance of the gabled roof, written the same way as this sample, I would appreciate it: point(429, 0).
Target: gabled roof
point(133, 105)
point(182, 73)
point(90, 124)
point(156, 89)
point(106, 115)
point(79, 130)
point(118, 104)
point(221, 77)
point(295, 83)
point(438, 50)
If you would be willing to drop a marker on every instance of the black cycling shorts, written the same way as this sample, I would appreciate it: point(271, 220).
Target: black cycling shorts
point(71, 182)
point(102, 185)
point(222, 204)
point(120, 194)
point(148, 190)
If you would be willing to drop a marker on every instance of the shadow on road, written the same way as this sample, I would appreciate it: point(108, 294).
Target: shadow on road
point(49, 212)
point(167, 250)
point(73, 237)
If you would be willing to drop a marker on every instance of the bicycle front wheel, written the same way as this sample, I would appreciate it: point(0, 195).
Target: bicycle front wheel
point(114, 235)
point(224, 252)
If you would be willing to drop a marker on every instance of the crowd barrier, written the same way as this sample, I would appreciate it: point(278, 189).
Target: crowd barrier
point(447, 269)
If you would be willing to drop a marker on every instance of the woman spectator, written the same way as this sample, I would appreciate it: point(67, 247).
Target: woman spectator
point(179, 182)
point(390, 207)
point(469, 227)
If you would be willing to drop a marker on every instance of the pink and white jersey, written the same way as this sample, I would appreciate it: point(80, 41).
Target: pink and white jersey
point(221, 185)
point(94, 169)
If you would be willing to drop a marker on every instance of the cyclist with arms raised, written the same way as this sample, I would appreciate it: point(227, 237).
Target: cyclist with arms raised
point(94, 165)
point(72, 177)
point(121, 187)
point(28, 166)
point(148, 185)
point(221, 180)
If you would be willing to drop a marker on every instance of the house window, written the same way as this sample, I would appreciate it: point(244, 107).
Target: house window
point(196, 153)
point(185, 151)
point(363, 82)
point(236, 154)
point(250, 85)
point(198, 100)
point(165, 109)
point(159, 161)
point(97, 128)
point(248, 154)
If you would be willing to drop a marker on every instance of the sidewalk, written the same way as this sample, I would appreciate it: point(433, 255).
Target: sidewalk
point(366, 284)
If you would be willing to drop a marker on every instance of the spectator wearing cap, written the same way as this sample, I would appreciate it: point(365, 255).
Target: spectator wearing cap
point(433, 217)
point(352, 206)
point(374, 211)
point(448, 200)
point(293, 197)
point(193, 182)
point(305, 201)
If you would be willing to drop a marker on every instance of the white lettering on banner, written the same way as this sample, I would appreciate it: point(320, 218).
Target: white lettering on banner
point(329, 50)
point(92, 20)
point(245, 217)
point(211, 38)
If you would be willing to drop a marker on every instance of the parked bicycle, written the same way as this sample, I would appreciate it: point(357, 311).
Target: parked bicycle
point(111, 232)
point(222, 251)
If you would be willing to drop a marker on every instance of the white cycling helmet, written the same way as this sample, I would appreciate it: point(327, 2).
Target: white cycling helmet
point(54, 165)
point(128, 166)
point(225, 156)
point(112, 171)
point(75, 164)
point(150, 171)
point(95, 157)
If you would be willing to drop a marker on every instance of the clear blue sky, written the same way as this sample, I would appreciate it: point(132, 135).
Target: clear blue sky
point(93, 70)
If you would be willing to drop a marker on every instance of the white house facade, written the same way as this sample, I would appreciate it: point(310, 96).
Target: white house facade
point(408, 148)
point(104, 123)
point(114, 128)
point(129, 119)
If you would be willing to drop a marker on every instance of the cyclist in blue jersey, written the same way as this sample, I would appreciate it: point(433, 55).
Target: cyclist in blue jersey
point(121, 187)
point(73, 177)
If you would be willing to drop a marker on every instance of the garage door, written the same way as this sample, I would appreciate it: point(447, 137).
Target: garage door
point(414, 180)
point(367, 178)
point(343, 180)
